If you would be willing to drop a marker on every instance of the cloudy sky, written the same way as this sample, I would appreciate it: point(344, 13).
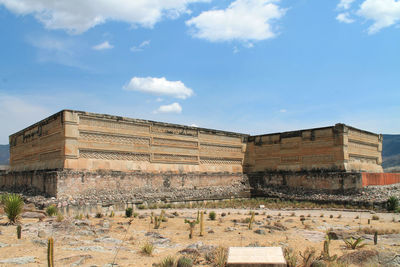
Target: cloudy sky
point(252, 66)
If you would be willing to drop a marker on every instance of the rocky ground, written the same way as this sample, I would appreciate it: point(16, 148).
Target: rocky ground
point(102, 241)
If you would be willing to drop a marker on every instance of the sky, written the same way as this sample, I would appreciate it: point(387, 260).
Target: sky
point(249, 66)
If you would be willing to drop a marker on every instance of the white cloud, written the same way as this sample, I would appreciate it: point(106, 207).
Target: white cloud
point(383, 13)
point(159, 86)
point(243, 20)
point(194, 125)
point(344, 17)
point(172, 108)
point(78, 16)
point(345, 4)
point(282, 111)
point(103, 46)
point(141, 46)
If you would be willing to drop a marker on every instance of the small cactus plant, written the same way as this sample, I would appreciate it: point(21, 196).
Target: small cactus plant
point(184, 262)
point(251, 220)
point(192, 224)
point(202, 223)
point(50, 252)
point(376, 238)
point(158, 220)
point(19, 229)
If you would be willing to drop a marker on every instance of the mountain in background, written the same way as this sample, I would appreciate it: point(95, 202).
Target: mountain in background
point(390, 153)
point(4, 154)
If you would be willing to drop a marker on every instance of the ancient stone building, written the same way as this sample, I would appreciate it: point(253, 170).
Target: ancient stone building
point(80, 154)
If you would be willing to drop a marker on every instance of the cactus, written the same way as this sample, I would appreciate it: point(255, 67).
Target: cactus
point(251, 220)
point(202, 223)
point(198, 216)
point(192, 224)
point(19, 228)
point(376, 238)
point(151, 217)
point(325, 254)
point(158, 220)
point(50, 252)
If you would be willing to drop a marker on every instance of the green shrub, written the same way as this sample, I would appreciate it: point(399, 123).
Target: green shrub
point(212, 215)
point(375, 217)
point(184, 262)
point(392, 203)
point(168, 261)
point(13, 205)
point(135, 214)
point(147, 249)
point(128, 212)
point(99, 215)
point(51, 210)
point(141, 207)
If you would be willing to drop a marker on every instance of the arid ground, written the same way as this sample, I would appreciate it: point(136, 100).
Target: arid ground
point(102, 241)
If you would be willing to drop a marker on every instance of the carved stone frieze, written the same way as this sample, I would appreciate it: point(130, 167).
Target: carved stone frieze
point(318, 158)
point(363, 159)
point(113, 155)
point(96, 122)
point(174, 142)
point(220, 148)
point(167, 158)
point(113, 138)
point(173, 130)
point(220, 161)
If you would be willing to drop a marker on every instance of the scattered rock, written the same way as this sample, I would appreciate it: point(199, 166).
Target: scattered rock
point(88, 248)
point(42, 234)
point(230, 229)
point(34, 215)
point(19, 260)
point(40, 242)
point(260, 232)
point(108, 239)
point(76, 260)
point(2, 245)
point(360, 257)
point(81, 222)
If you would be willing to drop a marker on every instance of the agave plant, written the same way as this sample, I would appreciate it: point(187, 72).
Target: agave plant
point(13, 205)
point(354, 243)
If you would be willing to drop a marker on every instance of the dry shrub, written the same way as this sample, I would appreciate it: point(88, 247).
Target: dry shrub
point(381, 231)
point(220, 255)
point(290, 256)
point(308, 257)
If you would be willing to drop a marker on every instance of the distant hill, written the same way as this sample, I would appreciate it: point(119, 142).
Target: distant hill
point(4, 155)
point(391, 152)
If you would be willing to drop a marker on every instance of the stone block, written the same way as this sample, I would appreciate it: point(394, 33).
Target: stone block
point(255, 257)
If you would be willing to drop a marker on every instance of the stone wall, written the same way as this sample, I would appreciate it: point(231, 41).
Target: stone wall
point(331, 181)
point(335, 148)
point(362, 150)
point(40, 146)
point(117, 186)
point(87, 141)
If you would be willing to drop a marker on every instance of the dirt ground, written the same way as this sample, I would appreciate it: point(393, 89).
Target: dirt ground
point(102, 241)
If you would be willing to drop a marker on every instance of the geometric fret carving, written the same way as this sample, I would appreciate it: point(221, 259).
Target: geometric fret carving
point(168, 158)
point(113, 138)
point(220, 148)
point(219, 161)
point(173, 130)
point(291, 145)
point(174, 142)
point(113, 125)
point(113, 155)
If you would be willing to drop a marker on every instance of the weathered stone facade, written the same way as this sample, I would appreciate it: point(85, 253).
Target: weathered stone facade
point(335, 148)
point(80, 154)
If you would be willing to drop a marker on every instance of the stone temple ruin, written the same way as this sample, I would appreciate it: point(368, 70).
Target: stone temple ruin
point(74, 154)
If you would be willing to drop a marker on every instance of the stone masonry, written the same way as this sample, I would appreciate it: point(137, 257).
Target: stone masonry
point(81, 154)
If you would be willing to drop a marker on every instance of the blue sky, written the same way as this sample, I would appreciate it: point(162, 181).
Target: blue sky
point(251, 66)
